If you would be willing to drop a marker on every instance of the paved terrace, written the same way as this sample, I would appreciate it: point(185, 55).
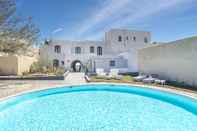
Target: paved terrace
point(12, 88)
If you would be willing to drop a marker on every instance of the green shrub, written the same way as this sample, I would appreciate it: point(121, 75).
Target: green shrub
point(25, 73)
point(59, 71)
point(127, 78)
point(36, 67)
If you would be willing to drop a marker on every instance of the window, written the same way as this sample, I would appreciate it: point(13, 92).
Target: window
point(57, 49)
point(91, 49)
point(56, 63)
point(99, 51)
point(77, 50)
point(112, 63)
point(127, 38)
point(46, 42)
point(63, 63)
point(134, 38)
point(145, 40)
point(119, 38)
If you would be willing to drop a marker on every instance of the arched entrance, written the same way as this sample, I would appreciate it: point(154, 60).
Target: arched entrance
point(76, 66)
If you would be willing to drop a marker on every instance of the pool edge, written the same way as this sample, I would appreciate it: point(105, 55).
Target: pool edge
point(163, 89)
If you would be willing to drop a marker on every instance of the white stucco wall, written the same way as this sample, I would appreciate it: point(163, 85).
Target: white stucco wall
point(126, 50)
point(68, 51)
point(105, 63)
point(176, 61)
point(127, 43)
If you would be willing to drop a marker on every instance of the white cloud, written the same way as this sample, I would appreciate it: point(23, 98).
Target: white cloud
point(123, 12)
point(108, 8)
point(57, 30)
point(151, 7)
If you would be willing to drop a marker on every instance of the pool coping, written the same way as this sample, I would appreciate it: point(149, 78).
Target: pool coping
point(163, 89)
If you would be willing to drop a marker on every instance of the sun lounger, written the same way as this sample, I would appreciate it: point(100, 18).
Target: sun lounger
point(150, 79)
point(100, 72)
point(114, 73)
point(140, 78)
point(162, 82)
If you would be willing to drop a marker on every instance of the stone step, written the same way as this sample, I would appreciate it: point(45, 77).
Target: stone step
point(75, 78)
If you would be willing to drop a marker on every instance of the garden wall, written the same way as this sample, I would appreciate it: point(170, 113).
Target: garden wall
point(174, 61)
point(8, 65)
point(15, 65)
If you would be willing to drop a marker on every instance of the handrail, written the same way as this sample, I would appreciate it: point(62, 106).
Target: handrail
point(87, 78)
point(66, 73)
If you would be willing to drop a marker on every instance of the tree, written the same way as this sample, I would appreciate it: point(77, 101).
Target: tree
point(7, 9)
point(17, 34)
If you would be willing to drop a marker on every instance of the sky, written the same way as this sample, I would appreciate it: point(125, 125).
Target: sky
point(167, 20)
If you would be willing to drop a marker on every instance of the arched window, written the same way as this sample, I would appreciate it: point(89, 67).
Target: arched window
point(62, 63)
point(56, 63)
point(77, 50)
point(145, 40)
point(57, 49)
point(99, 51)
point(119, 38)
point(127, 38)
point(92, 49)
point(134, 38)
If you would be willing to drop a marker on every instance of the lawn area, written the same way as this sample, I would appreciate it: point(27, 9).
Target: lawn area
point(125, 79)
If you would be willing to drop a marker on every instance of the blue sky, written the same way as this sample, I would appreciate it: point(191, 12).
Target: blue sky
point(167, 20)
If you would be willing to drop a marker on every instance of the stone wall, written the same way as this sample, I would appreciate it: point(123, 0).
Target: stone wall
point(8, 65)
point(175, 61)
point(24, 64)
point(15, 65)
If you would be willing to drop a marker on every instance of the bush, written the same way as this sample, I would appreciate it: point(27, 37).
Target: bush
point(127, 78)
point(59, 71)
point(36, 67)
point(25, 73)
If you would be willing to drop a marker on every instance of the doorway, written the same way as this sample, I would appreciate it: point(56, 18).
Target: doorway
point(76, 66)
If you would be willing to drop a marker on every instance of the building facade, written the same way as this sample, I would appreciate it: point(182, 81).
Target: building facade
point(118, 50)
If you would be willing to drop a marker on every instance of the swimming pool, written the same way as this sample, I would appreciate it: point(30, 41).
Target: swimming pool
point(99, 108)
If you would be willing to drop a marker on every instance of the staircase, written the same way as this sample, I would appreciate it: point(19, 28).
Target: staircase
point(75, 78)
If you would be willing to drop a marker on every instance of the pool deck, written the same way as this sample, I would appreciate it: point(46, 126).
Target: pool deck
point(9, 89)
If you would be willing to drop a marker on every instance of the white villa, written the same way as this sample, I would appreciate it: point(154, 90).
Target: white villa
point(118, 50)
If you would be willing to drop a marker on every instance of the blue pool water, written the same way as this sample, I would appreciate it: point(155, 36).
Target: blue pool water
point(99, 108)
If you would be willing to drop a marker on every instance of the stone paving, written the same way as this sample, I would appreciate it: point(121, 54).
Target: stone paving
point(75, 77)
point(12, 88)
